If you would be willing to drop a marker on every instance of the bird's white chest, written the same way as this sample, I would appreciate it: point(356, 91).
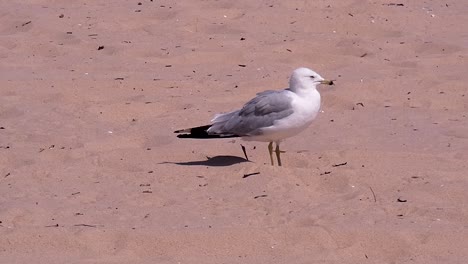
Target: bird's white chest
point(305, 106)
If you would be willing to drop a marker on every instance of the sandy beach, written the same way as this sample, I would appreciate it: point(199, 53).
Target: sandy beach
point(91, 171)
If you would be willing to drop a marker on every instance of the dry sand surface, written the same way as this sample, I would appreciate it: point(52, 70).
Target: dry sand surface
point(91, 172)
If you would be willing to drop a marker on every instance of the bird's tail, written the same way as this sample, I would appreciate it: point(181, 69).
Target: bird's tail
point(200, 133)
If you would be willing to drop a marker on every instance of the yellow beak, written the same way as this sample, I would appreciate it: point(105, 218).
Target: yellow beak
point(328, 82)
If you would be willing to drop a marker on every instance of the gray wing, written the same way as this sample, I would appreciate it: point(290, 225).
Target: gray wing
point(262, 111)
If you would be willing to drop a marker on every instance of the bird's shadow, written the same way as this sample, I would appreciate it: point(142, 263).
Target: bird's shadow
point(216, 161)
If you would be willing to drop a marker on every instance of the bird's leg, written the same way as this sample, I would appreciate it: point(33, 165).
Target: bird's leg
point(245, 153)
point(278, 153)
point(270, 149)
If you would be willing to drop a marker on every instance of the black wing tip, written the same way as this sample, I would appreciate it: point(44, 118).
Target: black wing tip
point(181, 131)
point(200, 133)
point(205, 136)
point(184, 136)
point(194, 132)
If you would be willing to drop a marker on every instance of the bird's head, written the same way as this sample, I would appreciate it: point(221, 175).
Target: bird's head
point(303, 78)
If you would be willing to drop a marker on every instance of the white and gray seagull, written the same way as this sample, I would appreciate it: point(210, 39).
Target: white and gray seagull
point(271, 116)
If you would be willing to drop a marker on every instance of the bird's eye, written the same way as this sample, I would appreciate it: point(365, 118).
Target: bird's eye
point(312, 77)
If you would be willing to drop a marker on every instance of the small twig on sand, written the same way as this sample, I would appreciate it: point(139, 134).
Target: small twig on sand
point(85, 225)
point(250, 174)
point(373, 194)
point(245, 153)
point(340, 164)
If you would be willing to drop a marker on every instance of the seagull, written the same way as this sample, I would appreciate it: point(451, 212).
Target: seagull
point(271, 116)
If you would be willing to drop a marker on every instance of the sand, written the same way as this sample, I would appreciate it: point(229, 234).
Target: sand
point(91, 91)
